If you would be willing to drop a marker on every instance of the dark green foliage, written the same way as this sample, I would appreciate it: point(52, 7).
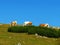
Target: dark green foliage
point(19, 29)
point(43, 31)
point(32, 30)
point(47, 32)
point(59, 32)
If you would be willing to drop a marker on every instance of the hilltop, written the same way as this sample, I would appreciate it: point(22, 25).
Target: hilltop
point(9, 38)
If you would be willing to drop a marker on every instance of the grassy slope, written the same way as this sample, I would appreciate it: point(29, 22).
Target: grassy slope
point(7, 38)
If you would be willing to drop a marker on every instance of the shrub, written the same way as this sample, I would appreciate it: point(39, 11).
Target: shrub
point(18, 29)
point(59, 33)
point(32, 30)
point(43, 31)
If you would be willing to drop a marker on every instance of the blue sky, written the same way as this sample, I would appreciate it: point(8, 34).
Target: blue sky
point(36, 11)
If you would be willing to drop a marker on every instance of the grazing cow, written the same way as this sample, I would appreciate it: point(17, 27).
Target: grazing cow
point(44, 25)
point(14, 23)
point(27, 23)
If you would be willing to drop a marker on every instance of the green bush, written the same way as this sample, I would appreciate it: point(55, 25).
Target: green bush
point(59, 32)
point(32, 30)
point(43, 31)
point(19, 29)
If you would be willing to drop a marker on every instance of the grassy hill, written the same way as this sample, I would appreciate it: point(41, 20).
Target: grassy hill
point(9, 38)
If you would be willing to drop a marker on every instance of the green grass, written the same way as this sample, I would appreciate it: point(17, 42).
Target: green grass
point(9, 38)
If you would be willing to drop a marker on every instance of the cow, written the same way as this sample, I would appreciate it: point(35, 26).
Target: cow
point(14, 23)
point(44, 25)
point(27, 23)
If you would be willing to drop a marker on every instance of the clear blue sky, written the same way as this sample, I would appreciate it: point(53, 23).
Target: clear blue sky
point(36, 11)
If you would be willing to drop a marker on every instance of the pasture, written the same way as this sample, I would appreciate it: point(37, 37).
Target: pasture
point(9, 38)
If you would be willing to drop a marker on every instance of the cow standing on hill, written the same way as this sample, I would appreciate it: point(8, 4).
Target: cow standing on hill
point(27, 23)
point(44, 25)
point(14, 23)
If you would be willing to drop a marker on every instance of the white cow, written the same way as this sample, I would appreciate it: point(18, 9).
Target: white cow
point(14, 23)
point(27, 23)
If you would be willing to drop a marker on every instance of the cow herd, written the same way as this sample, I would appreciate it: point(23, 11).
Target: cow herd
point(28, 23)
